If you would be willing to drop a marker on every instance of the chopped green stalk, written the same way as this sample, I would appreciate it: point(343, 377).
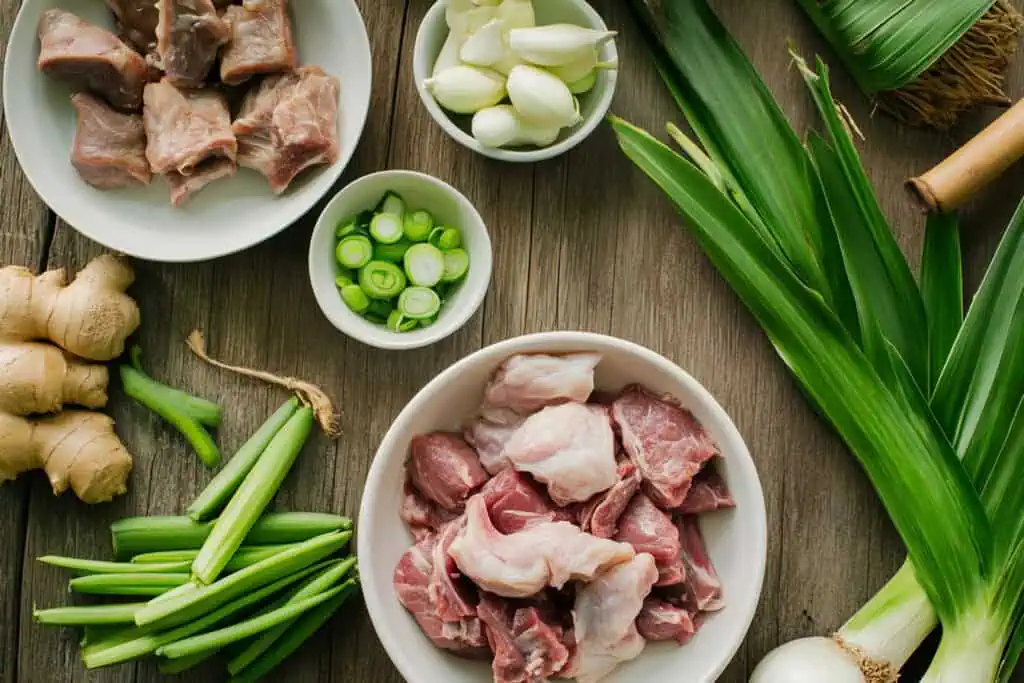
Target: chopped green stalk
point(171, 612)
point(304, 627)
point(346, 228)
point(245, 556)
point(355, 298)
point(344, 279)
point(445, 238)
point(386, 228)
point(94, 633)
point(128, 584)
point(391, 204)
point(424, 264)
point(253, 495)
point(215, 496)
point(375, 319)
point(135, 535)
point(456, 263)
point(201, 410)
point(427, 322)
point(392, 253)
point(382, 280)
point(417, 226)
point(399, 323)
point(354, 251)
point(88, 615)
point(182, 664)
point(380, 308)
point(314, 586)
point(167, 556)
point(418, 303)
point(99, 567)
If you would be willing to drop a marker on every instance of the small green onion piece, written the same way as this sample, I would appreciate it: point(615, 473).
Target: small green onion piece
point(456, 263)
point(427, 322)
point(392, 253)
point(99, 567)
point(346, 228)
point(363, 219)
point(398, 323)
point(203, 411)
point(386, 228)
point(417, 226)
point(419, 302)
point(380, 308)
point(94, 633)
point(391, 204)
point(344, 278)
point(375, 319)
point(381, 280)
point(149, 585)
point(355, 298)
point(88, 615)
point(424, 265)
point(445, 238)
point(182, 664)
point(354, 251)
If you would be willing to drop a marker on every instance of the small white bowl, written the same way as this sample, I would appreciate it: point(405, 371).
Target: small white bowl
point(448, 206)
point(736, 539)
point(593, 104)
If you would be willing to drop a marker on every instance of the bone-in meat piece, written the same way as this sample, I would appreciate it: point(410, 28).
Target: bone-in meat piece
point(136, 22)
point(289, 123)
point(260, 43)
point(189, 34)
point(185, 128)
point(109, 150)
point(91, 58)
point(184, 187)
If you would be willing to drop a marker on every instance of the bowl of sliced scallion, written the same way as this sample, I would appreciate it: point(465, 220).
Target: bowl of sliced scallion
point(399, 260)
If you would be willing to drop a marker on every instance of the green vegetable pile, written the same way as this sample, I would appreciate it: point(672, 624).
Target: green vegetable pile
point(397, 267)
point(224, 576)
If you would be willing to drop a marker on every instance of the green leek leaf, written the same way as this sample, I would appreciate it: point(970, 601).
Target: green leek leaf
point(942, 289)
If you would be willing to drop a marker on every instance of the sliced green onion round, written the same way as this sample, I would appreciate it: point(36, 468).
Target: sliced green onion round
point(386, 228)
point(391, 252)
point(380, 308)
point(392, 204)
point(381, 280)
point(344, 278)
point(399, 323)
point(346, 228)
point(445, 238)
point(354, 251)
point(355, 298)
point(424, 264)
point(419, 302)
point(456, 263)
point(427, 322)
point(418, 225)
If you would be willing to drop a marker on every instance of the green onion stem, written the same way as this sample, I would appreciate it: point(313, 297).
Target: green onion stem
point(88, 615)
point(245, 556)
point(127, 584)
point(81, 566)
point(201, 410)
point(182, 664)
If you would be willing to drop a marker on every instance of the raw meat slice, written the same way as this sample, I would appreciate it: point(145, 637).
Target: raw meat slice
point(109, 150)
point(412, 579)
point(600, 515)
point(189, 34)
point(604, 618)
point(526, 383)
point(702, 582)
point(423, 517)
point(522, 564)
point(649, 530)
point(707, 494)
point(260, 42)
point(666, 442)
point(453, 600)
point(488, 438)
point(527, 648)
point(672, 574)
point(185, 128)
point(444, 468)
point(289, 123)
point(570, 447)
point(136, 22)
point(514, 504)
point(184, 187)
point(661, 620)
point(91, 58)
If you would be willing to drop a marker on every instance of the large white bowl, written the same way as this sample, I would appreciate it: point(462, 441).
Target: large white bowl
point(228, 216)
point(736, 539)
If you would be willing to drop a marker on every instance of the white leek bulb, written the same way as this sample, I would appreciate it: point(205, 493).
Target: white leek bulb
point(577, 68)
point(808, 660)
point(449, 55)
point(541, 98)
point(517, 13)
point(467, 20)
point(585, 84)
point(486, 3)
point(466, 89)
point(508, 61)
point(501, 126)
point(485, 47)
point(555, 44)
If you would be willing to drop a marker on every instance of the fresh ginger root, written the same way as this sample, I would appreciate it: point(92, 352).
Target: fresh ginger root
point(40, 378)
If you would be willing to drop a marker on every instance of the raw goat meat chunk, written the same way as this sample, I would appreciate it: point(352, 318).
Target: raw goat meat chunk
point(527, 649)
point(189, 34)
point(604, 619)
point(666, 442)
point(488, 438)
point(444, 468)
point(702, 583)
point(651, 531)
point(521, 564)
point(136, 22)
point(185, 128)
point(412, 580)
point(289, 123)
point(453, 599)
point(184, 187)
point(525, 383)
point(260, 42)
point(109, 150)
point(707, 494)
point(570, 447)
point(661, 620)
point(422, 516)
point(514, 504)
point(600, 515)
point(91, 58)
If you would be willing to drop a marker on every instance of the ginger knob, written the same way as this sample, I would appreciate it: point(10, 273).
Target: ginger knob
point(40, 378)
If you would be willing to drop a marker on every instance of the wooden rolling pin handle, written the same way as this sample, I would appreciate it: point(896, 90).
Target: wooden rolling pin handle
point(973, 166)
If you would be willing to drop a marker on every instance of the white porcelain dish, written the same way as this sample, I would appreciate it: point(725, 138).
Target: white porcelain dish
point(449, 207)
point(736, 539)
point(228, 216)
point(593, 104)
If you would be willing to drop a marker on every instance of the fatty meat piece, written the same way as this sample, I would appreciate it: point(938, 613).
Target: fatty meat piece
point(569, 447)
point(525, 383)
point(453, 600)
point(651, 531)
point(289, 123)
point(600, 515)
point(707, 493)
point(109, 150)
point(667, 443)
point(423, 517)
point(521, 564)
point(660, 620)
point(514, 503)
point(444, 468)
point(91, 58)
point(260, 41)
point(488, 438)
point(527, 649)
point(604, 618)
point(184, 187)
point(702, 582)
point(136, 22)
point(189, 34)
point(185, 128)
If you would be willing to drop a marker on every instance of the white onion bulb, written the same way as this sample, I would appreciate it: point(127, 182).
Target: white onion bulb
point(808, 660)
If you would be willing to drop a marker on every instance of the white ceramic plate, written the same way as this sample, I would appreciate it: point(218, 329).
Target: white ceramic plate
point(229, 215)
point(736, 539)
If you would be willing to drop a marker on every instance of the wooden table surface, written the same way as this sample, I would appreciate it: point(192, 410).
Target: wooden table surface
point(582, 242)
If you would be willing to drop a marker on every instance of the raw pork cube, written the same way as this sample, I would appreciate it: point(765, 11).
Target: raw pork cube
point(514, 504)
point(109, 150)
point(423, 517)
point(600, 515)
point(570, 447)
point(703, 587)
point(651, 531)
point(605, 619)
point(661, 620)
point(524, 384)
point(707, 494)
point(488, 438)
point(260, 42)
point(136, 22)
point(184, 187)
point(453, 599)
point(185, 128)
point(289, 123)
point(91, 58)
point(527, 649)
point(189, 34)
point(666, 442)
point(444, 468)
